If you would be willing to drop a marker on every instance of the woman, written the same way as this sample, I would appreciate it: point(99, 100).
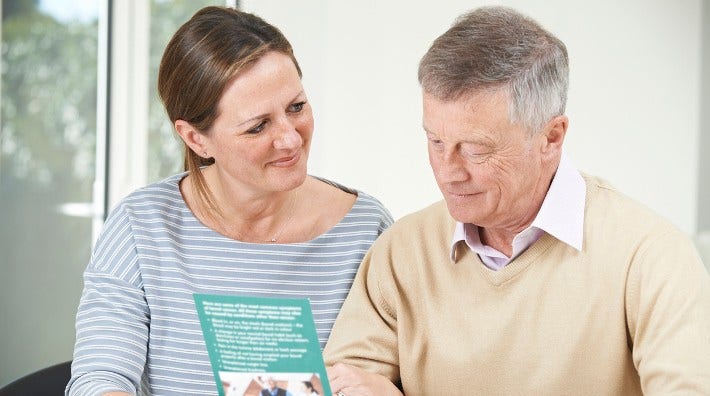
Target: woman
point(245, 219)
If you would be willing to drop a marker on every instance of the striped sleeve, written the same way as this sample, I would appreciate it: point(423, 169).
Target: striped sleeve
point(113, 317)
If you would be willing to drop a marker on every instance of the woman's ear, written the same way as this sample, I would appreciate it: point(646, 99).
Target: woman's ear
point(192, 138)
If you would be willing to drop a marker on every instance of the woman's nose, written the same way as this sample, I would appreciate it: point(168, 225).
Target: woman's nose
point(288, 139)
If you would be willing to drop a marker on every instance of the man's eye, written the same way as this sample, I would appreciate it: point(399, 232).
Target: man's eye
point(260, 127)
point(296, 107)
point(436, 143)
point(475, 156)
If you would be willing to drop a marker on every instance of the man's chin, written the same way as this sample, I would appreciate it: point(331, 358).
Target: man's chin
point(461, 213)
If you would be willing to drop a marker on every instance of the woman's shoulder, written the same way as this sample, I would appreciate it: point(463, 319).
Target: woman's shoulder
point(360, 201)
point(150, 207)
point(169, 186)
point(165, 190)
point(161, 195)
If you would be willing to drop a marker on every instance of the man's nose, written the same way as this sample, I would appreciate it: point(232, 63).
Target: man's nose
point(452, 167)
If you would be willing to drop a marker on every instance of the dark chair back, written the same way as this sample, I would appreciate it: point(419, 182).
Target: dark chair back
point(49, 381)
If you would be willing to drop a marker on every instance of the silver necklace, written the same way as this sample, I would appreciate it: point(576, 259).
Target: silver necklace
point(239, 236)
point(276, 236)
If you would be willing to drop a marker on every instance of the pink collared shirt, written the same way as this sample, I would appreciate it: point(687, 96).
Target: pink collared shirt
point(561, 215)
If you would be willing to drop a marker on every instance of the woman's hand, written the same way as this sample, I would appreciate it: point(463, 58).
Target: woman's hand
point(349, 380)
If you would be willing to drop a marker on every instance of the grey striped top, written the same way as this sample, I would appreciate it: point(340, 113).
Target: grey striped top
point(136, 327)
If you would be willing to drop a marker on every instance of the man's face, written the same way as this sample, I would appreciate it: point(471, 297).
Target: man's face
point(488, 169)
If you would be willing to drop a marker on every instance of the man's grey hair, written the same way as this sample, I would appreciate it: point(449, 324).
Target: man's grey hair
point(491, 48)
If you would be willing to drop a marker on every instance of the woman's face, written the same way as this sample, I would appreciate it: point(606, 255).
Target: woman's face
point(261, 137)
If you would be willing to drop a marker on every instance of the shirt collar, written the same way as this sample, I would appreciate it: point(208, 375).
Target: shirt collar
point(561, 214)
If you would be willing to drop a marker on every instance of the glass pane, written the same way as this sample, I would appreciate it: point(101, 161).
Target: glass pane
point(47, 168)
point(165, 148)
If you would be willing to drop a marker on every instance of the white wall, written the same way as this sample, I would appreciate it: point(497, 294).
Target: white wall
point(634, 100)
point(704, 147)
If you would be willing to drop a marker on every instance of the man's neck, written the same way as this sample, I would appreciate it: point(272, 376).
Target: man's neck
point(500, 240)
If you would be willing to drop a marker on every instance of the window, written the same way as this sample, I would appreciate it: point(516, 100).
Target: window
point(48, 103)
point(54, 93)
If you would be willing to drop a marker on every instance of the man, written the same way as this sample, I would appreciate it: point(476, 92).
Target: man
point(272, 389)
point(529, 278)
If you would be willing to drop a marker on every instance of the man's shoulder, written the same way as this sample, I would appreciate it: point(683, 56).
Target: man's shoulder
point(619, 215)
point(430, 225)
point(604, 198)
point(433, 216)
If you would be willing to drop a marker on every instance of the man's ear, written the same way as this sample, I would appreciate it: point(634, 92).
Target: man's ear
point(192, 138)
point(554, 135)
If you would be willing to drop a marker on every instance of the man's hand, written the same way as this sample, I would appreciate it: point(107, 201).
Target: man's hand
point(352, 381)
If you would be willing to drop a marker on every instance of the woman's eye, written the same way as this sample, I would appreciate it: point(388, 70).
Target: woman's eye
point(296, 107)
point(258, 128)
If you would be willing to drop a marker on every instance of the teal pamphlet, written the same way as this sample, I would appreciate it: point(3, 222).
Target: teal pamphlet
point(258, 343)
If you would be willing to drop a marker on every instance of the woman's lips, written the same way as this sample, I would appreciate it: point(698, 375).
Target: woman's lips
point(285, 162)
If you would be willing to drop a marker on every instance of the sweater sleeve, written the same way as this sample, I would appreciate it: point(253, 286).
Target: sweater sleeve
point(668, 313)
point(365, 332)
point(113, 319)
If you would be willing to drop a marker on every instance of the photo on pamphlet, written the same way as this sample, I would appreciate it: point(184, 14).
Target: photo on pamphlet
point(267, 384)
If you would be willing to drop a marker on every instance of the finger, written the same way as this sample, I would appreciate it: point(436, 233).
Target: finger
point(335, 378)
point(336, 385)
point(345, 392)
point(332, 371)
point(354, 391)
point(341, 371)
point(344, 383)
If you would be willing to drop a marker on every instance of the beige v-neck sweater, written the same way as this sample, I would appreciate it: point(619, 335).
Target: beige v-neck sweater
point(628, 315)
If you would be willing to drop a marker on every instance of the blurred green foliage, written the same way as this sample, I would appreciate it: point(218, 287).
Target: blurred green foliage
point(47, 158)
point(165, 155)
